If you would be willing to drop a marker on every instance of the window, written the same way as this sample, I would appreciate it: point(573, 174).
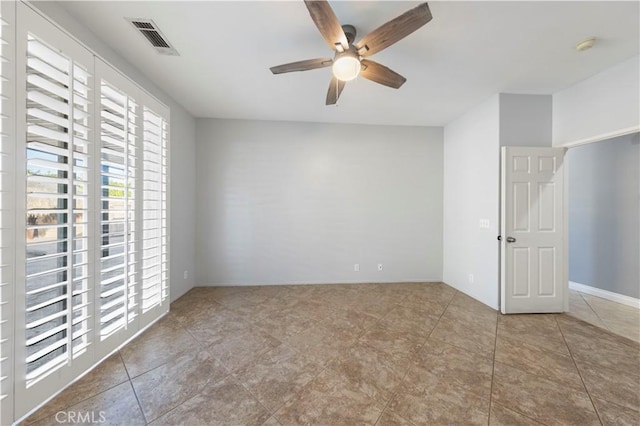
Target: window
point(91, 192)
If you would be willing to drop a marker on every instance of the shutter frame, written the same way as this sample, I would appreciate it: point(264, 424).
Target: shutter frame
point(36, 386)
point(7, 212)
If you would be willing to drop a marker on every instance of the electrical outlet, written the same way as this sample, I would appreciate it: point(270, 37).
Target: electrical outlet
point(379, 266)
point(356, 267)
point(484, 224)
point(186, 275)
point(471, 279)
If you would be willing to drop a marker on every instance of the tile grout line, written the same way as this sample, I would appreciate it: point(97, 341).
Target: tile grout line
point(404, 376)
point(82, 400)
point(595, 313)
point(195, 394)
point(578, 369)
point(250, 392)
point(133, 388)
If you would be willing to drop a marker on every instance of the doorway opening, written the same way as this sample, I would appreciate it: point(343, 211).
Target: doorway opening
point(604, 234)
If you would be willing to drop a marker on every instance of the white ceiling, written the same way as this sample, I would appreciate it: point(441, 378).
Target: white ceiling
point(468, 52)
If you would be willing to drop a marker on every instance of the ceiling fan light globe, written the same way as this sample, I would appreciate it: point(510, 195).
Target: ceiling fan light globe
point(346, 67)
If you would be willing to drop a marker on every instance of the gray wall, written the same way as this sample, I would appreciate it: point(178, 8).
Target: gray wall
point(525, 120)
point(182, 151)
point(471, 194)
point(290, 202)
point(472, 185)
point(607, 103)
point(604, 215)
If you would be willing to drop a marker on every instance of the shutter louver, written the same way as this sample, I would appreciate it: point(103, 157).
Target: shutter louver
point(154, 224)
point(119, 287)
point(7, 213)
point(58, 303)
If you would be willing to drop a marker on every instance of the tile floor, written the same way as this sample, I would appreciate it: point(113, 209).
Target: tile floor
point(392, 354)
point(615, 317)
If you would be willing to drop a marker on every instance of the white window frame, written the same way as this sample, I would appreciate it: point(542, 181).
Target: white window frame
point(7, 213)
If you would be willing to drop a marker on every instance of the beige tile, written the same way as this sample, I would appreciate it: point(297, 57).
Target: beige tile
point(621, 387)
point(410, 319)
point(372, 340)
point(398, 345)
point(436, 401)
point(594, 345)
point(441, 361)
point(329, 400)
point(542, 362)
point(116, 406)
point(541, 399)
point(349, 323)
point(477, 337)
point(272, 421)
point(473, 312)
point(218, 325)
point(502, 416)
point(284, 323)
point(190, 308)
point(106, 375)
point(609, 310)
point(277, 375)
point(366, 370)
point(625, 329)
point(479, 310)
point(163, 341)
point(580, 309)
point(320, 343)
point(315, 310)
point(612, 414)
point(241, 347)
point(537, 329)
point(219, 404)
point(169, 385)
point(389, 418)
point(372, 304)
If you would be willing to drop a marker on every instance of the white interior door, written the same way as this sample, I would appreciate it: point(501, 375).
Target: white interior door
point(533, 231)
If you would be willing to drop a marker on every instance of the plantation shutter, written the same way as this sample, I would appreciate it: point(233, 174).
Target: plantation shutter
point(119, 295)
point(7, 212)
point(155, 253)
point(83, 221)
point(56, 251)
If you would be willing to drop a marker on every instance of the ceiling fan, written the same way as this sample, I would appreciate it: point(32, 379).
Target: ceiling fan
point(348, 61)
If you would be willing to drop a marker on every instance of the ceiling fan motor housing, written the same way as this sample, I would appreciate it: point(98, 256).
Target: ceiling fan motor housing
point(350, 32)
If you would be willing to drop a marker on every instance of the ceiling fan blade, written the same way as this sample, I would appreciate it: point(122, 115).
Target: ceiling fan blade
point(394, 30)
point(380, 74)
point(335, 89)
point(309, 64)
point(327, 23)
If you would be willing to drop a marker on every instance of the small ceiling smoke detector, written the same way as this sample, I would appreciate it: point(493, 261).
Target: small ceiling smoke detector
point(586, 44)
point(152, 33)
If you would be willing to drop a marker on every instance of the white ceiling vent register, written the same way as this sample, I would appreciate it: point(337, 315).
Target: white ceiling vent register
point(152, 33)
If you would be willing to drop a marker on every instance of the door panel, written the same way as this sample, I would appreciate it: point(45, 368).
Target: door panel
point(533, 255)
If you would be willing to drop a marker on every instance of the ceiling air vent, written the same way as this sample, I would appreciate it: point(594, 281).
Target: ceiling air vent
point(150, 31)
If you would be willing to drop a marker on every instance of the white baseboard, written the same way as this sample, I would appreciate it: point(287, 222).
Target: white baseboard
point(232, 284)
point(604, 294)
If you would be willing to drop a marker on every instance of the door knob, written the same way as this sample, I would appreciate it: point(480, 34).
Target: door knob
point(511, 240)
